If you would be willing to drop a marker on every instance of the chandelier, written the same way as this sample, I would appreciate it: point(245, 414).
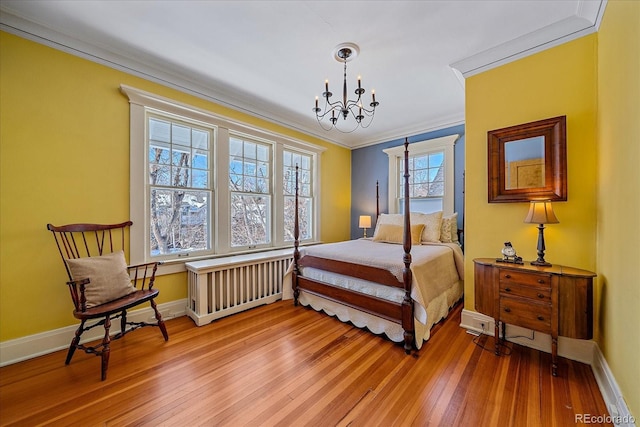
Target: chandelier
point(338, 112)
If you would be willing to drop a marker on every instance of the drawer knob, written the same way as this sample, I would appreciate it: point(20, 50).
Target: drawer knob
point(540, 296)
point(507, 309)
point(507, 289)
point(541, 281)
point(540, 318)
point(508, 276)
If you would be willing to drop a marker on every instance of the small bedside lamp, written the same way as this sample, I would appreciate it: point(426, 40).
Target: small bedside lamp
point(541, 212)
point(365, 222)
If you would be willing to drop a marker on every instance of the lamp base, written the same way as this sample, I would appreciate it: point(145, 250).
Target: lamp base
point(541, 263)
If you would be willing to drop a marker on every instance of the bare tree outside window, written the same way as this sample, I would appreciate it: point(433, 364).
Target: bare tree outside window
point(305, 198)
point(426, 182)
point(180, 193)
point(250, 187)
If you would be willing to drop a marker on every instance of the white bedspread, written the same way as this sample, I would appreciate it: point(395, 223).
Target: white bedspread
point(437, 282)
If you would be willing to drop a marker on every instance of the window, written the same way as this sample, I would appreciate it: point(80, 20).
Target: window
point(305, 195)
point(426, 182)
point(250, 187)
point(203, 186)
point(430, 176)
point(180, 187)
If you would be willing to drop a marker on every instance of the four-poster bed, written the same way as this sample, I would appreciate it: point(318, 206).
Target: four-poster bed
point(398, 289)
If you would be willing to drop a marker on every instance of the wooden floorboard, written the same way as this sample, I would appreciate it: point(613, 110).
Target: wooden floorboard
point(280, 365)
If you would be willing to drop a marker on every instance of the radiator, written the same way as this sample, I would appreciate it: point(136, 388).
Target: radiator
point(224, 286)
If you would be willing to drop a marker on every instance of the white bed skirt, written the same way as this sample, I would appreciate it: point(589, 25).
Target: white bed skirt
point(437, 310)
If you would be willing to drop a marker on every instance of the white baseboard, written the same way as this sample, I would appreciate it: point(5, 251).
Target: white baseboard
point(17, 350)
point(585, 351)
point(611, 393)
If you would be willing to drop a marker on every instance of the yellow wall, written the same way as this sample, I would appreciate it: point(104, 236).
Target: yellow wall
point(64, 153)
point(555, 82)
point(595, 82)
point(619, 194)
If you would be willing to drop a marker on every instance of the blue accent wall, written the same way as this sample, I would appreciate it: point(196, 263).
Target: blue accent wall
point(371, 164)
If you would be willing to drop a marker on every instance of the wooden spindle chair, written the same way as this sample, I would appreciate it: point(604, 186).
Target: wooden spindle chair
point(95, 252)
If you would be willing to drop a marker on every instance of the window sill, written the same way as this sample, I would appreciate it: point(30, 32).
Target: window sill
point(179, 266)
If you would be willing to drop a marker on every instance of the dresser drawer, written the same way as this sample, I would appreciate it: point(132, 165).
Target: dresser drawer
point(525, 278)
point(526, 314)
point(540, 294)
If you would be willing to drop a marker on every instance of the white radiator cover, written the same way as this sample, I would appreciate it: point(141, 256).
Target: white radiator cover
point(223, 286)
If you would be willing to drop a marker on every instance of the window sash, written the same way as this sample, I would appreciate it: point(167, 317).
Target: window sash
point(304, 162)
point(179, 184)
point(250, 187)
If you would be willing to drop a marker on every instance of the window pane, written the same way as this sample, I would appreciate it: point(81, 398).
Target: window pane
point(200, 179)
point(235, 182)
point(235, 147)
point(159, 175)
point(250, 219)
point(200, 139)
point(180, 135)
point(159, 130)
point(158, 154)
point(263, 153)
point(179, 221)
point(305, 211)
point(436, 159)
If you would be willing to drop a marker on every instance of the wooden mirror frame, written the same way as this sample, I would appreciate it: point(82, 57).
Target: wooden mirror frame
point(554, 131)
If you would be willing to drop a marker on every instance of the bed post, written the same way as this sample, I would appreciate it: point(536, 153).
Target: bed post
point(407, 303)
point(296, 243)
point(377, 200)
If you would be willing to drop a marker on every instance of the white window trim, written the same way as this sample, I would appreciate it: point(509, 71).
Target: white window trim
point(140, 102)
point(396, 154)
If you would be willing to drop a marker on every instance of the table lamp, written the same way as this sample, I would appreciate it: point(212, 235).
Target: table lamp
point(365, 222)
point(541, 212)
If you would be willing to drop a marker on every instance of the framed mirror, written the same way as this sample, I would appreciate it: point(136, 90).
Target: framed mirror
point(528, 162)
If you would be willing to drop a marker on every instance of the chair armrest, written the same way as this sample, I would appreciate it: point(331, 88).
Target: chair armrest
point(143, 274)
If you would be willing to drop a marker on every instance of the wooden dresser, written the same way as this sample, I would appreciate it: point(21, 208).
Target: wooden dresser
point(556, 300)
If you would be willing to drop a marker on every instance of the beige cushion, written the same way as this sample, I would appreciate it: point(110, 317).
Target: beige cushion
point(449, 229)
point(108, 275)
point(432, 223)
point(390, 233)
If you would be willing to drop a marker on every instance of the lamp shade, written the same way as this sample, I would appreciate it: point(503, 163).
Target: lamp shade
point(541, 212)
point(365, 221)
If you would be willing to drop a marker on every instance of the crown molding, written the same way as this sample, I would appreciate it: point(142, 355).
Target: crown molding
point(586, 21)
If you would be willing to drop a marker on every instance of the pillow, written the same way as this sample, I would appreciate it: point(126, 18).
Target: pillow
point(432, 223)
point(390, 233)
point(108, 275)
point(449, 229)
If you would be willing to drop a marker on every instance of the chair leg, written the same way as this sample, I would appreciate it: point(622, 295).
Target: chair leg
point(74, 343)
point(123, 322)
point(163, 328)
point(106, 349)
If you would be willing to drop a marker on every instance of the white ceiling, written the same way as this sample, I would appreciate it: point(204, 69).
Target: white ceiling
point(271, 58)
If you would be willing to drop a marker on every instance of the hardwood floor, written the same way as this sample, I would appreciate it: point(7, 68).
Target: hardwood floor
point(285, 365)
